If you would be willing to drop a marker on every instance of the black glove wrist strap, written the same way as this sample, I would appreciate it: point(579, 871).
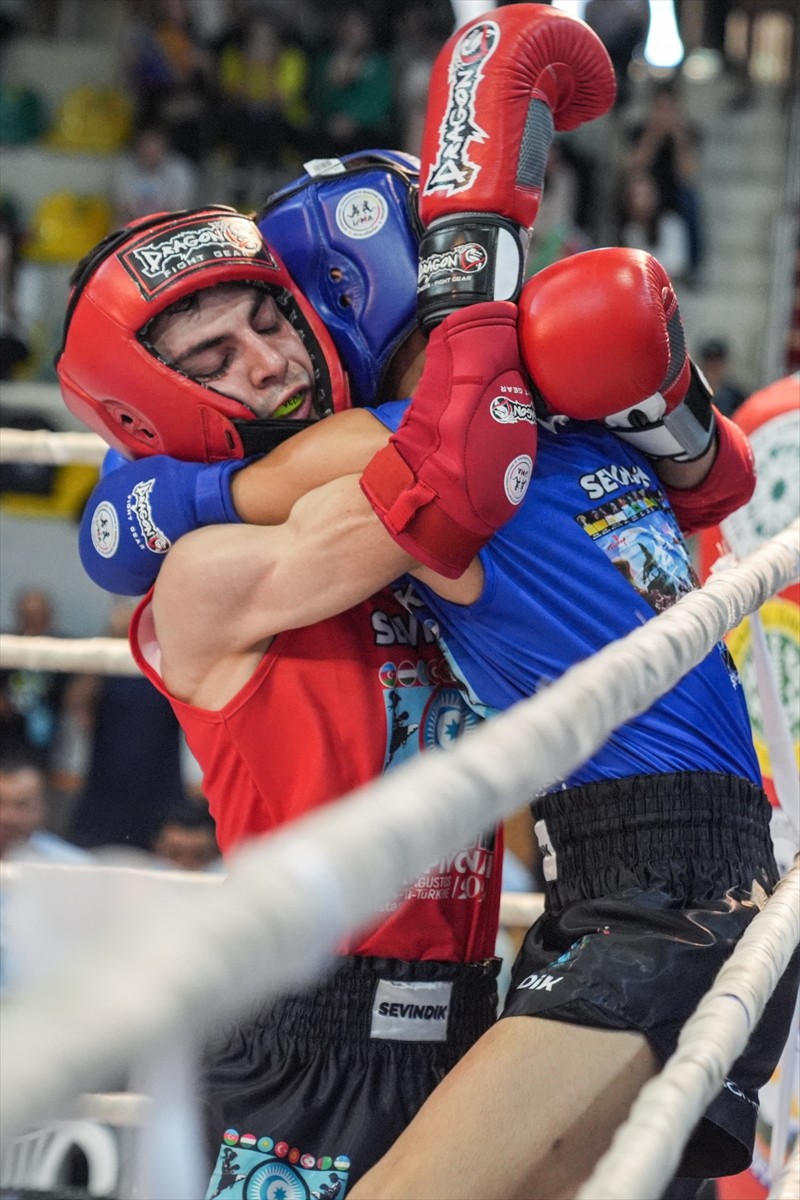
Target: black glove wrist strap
point(466, 259)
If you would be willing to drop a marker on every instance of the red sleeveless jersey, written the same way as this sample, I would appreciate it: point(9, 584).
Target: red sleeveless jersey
point(329, 708)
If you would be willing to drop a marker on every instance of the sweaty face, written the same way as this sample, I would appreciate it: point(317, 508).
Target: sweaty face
point(236, 340)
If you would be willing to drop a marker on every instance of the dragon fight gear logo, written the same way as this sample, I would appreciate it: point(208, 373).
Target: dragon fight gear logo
point(453, 171)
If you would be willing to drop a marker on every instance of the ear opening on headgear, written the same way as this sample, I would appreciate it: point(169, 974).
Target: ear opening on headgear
point(133, 425)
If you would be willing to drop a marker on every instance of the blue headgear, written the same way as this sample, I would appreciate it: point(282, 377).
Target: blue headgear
point(348, 231)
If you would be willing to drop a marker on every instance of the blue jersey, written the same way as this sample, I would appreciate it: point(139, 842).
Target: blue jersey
point(593, 551)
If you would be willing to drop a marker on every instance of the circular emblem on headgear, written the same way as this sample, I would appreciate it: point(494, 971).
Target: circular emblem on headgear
point(361, 213)
point(241, 232)
point(105, 529)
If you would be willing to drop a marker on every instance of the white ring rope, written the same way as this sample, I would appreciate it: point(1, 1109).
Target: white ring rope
point(52, 1043)
point(46, 447)
point(96, 655)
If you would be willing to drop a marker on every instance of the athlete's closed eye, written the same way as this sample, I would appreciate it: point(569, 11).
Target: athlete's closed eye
point(264, 316)
point(210, 360)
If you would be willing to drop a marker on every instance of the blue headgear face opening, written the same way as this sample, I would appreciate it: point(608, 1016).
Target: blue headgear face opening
point(348, 231)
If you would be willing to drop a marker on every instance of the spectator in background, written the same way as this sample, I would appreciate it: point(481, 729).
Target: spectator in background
point(621, 26)
point(667, 145)
point(134, 773)
point(24, 837)
point(31, 701)
point(186, 839)
point(24, 833)
point(713, 358)
point(14, 337)
point(152, 177)
point(353, 89)
point(558, 232)
point(420, 32)
point(645, 224)
point(171, 75)
point(263, 81)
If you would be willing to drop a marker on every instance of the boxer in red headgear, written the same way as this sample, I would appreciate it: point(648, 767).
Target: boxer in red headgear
point(113, 381)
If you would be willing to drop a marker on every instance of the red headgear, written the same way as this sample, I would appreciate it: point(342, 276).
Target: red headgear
point(117, 386)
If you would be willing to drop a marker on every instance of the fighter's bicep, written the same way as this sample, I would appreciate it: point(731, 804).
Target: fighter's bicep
point(204, 608)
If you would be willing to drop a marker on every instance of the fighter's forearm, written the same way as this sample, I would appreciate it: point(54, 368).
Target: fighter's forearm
point(265, 492)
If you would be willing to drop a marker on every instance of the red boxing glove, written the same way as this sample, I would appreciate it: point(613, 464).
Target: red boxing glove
point(602, 336)
point(499, 87)
point(460, 462)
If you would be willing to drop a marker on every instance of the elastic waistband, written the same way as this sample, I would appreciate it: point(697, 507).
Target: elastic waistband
point(340, 1008)
point(699, 832)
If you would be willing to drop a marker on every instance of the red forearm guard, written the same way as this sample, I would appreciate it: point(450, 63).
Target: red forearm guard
point(461, 461)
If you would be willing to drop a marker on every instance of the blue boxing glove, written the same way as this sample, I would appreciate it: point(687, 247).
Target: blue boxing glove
point(139, 509)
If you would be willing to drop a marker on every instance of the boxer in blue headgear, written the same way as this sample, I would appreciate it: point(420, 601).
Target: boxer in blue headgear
point(341, 228)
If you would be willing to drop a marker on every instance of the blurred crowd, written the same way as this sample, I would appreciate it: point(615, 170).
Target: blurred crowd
point(94, 764)
point(224, 100)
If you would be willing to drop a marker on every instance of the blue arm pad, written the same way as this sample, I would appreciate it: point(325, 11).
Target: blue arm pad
point(139, 509)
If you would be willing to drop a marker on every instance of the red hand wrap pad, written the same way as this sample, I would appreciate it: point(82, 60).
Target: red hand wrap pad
point(460, 462)
point(476, 151)
point(728, 485)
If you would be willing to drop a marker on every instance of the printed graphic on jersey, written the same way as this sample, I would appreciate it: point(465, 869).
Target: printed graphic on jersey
point(250, 1168)
point(463, 877)
point(650, 552)
point(421, 715)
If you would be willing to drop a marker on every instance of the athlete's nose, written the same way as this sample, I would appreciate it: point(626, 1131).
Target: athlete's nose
point(267, 364)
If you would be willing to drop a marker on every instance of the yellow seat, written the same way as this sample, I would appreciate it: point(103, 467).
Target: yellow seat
point(92, 119)
point(65, 226)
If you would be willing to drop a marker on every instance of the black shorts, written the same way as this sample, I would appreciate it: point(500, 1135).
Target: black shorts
point(650, 886)
point(308, 1094)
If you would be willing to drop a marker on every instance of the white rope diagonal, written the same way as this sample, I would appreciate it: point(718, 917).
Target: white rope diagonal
point(518, 910)
point(364, 849)
point(646, 1150)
